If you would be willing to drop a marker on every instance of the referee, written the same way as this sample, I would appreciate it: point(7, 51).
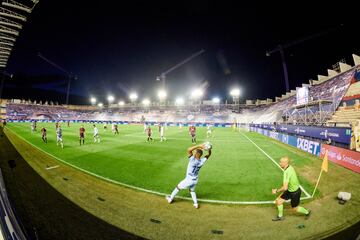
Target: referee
point(290, 190)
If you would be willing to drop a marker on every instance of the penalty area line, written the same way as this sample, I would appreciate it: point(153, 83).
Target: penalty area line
point(143, 189)
point(302, 189)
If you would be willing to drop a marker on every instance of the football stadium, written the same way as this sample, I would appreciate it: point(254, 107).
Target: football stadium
point(169, 157)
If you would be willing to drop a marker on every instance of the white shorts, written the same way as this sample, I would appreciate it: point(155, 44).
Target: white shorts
point(187, 183)
point(209, 131)
point(59, 139)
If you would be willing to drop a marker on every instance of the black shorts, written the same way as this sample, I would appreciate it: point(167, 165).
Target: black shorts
point(293, 196)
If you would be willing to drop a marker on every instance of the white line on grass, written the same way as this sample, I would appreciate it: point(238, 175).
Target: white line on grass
point(49, 168)
point(143, 189)
point(306, 193)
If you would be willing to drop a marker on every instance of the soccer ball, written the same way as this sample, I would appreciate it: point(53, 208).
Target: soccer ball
point(207, 145)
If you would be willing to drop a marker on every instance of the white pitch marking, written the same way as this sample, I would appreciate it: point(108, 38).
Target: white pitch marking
point(143, 189)
point(306, 193)
point(49, 168)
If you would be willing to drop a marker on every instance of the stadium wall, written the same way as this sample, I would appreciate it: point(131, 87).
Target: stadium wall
point(340, 156)
point(10, 228)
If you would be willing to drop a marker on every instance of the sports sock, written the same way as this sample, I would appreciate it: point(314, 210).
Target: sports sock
point(281, 210)
point(83, 142)
point(173, 194)
point(80, 141)
point(193, 196)
point(302, 210)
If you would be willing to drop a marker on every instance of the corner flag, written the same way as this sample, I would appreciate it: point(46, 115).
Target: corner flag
point(324, 167)
point(325, 163)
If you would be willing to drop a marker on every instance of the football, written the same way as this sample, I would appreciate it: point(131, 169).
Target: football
point(207, 145)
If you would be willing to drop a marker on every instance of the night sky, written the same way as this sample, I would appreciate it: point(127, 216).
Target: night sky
point(117, 47)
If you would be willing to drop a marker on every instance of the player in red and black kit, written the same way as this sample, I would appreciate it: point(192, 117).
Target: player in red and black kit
point(149, 132)
point(116, 130)
point(43, 135)
point(192, 132)
point(82, 135)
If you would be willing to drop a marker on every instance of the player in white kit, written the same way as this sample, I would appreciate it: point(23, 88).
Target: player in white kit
point(192, 173)
point(162, 138)
point(59, 137)
point(96, 134)
point(208, 132)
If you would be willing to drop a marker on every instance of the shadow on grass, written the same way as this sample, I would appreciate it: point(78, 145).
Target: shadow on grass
point(44, 212)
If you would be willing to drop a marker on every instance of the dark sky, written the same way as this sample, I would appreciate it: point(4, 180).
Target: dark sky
point(119, 46)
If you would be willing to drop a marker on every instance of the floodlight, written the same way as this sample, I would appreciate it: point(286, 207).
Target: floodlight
point(146, 102)
point(133, 96)
point(179, 101)
point(162, 94)
point(197, 93)
point(216, 100)
point(235, 92)
point(110, 98)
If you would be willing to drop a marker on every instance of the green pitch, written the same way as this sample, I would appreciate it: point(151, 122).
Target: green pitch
point(236, 171)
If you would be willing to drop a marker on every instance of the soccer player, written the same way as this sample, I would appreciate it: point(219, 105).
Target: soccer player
point(82, 135)
point(68, 123)
point(180, 126)
point(192, 132)
point(96, 134)
point(43, 135)
point(116, 130)
point(161, 130)
point(149, 132)
point(290, 190)
point(192, 173)
point(105, 126)
point(59, 137)
point(56, 125)
point(32, 127)
point(145, 127)
point(208, 132)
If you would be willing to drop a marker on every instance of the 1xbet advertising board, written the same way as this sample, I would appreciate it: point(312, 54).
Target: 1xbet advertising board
point(341, 135)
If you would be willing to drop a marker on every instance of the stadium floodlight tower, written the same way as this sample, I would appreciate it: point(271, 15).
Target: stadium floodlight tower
point(100, 105)
point(179, 101)
point(196, 96)
point(110, 99)
point(216, 100)
point(162, 96)
point(93, 100)
point(235, 93)
point(146, 102)
point(121, 103)
point(133, 97)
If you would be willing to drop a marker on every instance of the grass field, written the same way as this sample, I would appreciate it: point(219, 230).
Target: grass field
point(237, 171)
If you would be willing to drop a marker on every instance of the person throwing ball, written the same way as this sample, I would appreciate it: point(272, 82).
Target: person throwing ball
point(192, 172)
point(290, 190)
